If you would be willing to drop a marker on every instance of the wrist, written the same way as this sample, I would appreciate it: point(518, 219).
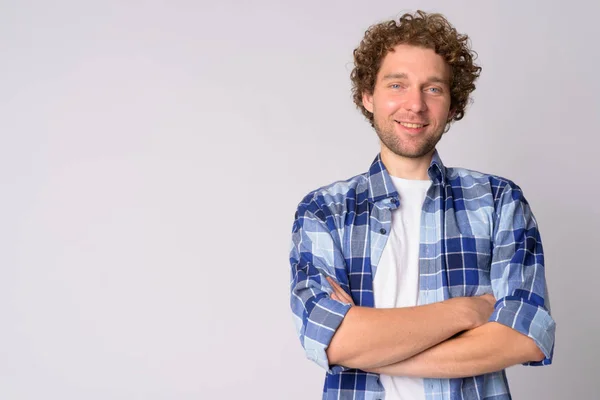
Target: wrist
point(462, 313)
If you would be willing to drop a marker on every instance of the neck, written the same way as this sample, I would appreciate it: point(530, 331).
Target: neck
point(405, 167)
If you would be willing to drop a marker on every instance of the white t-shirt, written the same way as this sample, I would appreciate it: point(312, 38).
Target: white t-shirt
point(396, 282)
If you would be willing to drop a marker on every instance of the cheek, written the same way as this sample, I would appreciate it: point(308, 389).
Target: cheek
point(390, 105)
point(440, 109)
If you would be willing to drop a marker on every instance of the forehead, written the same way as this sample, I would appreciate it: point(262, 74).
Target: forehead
point(415, 62)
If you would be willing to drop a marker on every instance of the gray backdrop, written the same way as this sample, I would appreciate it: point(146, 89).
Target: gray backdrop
point(152, 154)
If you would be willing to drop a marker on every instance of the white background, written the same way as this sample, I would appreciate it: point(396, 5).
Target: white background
point(152, 155)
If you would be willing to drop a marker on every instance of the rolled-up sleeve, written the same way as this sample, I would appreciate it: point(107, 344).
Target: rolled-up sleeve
point(314, 255)
point(518, 273)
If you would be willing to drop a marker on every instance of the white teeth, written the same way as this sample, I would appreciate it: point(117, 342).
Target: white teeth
point(406, 124)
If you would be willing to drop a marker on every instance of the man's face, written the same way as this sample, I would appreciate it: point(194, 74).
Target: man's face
point(411, 101)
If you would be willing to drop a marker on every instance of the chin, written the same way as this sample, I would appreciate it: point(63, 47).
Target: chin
point(414, 154)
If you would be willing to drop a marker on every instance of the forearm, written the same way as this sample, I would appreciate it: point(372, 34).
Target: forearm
point(371, 337)
point(488, 348)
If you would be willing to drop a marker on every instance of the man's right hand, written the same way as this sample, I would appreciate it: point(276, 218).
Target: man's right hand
point(477, 309)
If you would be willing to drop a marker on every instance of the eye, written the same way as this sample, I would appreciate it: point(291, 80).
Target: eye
point(395, 86)
point(435, 90)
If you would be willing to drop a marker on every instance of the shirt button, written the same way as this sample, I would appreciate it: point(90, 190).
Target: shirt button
point(382, 231)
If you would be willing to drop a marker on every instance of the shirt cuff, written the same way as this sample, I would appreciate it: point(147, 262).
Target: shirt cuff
point(322, 323)
point(529, 319)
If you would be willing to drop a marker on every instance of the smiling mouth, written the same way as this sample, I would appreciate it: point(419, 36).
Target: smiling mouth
point(411, 125)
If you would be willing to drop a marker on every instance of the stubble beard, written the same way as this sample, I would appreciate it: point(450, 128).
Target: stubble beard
point(414, 149)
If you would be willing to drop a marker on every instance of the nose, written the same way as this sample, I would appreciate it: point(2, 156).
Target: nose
point(414, 100)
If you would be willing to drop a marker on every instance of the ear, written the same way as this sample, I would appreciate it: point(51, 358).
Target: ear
point(451, 115)
point(367, 100)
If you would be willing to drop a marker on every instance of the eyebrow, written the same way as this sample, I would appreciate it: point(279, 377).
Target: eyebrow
point(394, 76)
point(433, 79)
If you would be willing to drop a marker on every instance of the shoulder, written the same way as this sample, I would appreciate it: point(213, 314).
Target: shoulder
point(473, 182)
point(481, 190)
point(336, 198)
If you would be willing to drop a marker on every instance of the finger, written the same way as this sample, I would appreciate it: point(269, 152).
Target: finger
point(340, 293)
point(345, 299)
point(345, 296)
point(333, 283)
point(336, 288)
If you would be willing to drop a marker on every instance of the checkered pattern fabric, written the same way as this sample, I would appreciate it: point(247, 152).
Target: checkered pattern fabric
point(478, 235)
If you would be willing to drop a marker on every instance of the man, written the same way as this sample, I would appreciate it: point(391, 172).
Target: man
point(415, 280)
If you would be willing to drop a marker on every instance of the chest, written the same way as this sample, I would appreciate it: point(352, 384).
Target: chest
point(455, 247)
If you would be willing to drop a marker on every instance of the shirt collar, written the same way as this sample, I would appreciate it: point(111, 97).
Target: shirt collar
point(381, 185)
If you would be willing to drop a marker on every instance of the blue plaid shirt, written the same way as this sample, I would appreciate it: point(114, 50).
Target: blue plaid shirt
point(478, 235)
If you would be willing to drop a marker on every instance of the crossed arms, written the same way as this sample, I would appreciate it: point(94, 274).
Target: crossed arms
point(419, 342)
point(463, 336)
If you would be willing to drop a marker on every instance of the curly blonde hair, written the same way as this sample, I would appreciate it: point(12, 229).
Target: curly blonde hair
point(432, 31)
